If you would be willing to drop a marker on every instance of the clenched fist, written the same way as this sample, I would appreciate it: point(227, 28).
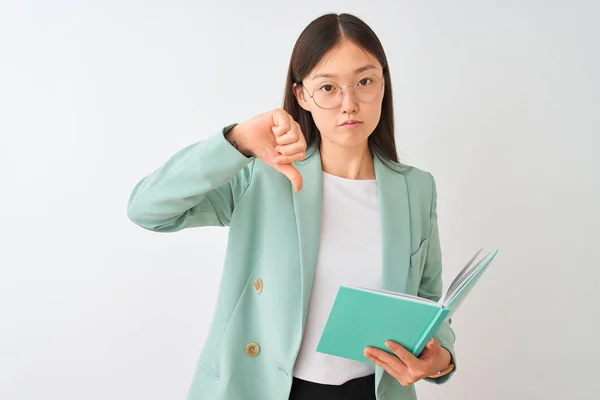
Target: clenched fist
point(275, 138)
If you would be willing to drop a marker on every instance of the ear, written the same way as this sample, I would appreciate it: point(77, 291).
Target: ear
point(299, 92)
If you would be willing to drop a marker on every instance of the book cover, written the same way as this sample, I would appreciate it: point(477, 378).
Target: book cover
point(360, 318)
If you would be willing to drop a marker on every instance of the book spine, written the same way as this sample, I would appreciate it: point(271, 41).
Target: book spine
point(433, 327)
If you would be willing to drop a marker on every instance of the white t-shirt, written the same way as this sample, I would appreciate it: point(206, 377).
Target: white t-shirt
point(350, 253)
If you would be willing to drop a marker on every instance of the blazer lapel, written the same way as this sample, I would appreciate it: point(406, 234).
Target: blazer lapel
point(307, 207)
point(395, 224)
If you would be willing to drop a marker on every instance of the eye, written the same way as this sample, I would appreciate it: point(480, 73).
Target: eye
point(364, 81)
point(328, 88)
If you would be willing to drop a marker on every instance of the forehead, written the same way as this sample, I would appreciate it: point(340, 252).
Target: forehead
point(345, 60)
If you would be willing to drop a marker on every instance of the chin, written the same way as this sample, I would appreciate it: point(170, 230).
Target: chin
point(348, 139)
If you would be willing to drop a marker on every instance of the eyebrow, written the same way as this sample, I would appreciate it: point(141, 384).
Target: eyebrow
point(358, 70)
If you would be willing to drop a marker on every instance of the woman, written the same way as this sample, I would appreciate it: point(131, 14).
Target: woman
point(315, 197)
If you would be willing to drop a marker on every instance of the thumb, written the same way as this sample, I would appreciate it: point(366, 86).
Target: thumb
point(429, 350)
point(431, 344)
point(292, 174)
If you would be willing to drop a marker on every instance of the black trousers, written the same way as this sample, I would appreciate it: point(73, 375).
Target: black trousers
point(355, 389)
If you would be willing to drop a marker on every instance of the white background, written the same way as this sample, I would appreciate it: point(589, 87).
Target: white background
point(498, 99)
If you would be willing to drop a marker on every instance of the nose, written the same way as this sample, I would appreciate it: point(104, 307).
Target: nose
point(349, 102)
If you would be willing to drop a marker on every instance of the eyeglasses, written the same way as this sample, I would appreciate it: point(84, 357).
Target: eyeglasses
point(329, 94)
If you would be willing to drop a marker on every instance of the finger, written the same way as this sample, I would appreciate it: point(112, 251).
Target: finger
point(373, 355)
point(400, 374)
point(289, 159)
point(282, 122)
point(291, 149)
point(301, 138)
point(289, 137)
point(430, 350)
point(432, 345)
point(390, 370)
point(292, 174)
point(386, 358)
point(280, 130)
point(403, 354)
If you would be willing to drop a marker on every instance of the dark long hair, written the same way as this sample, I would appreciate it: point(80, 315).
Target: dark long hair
point(315, 41)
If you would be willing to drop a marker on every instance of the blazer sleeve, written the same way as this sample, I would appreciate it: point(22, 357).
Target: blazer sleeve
point(197, 186)
point(431, 284)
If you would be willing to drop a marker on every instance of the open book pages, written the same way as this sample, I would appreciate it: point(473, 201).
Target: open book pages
point(467, 276)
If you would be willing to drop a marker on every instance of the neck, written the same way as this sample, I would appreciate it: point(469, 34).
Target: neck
point(347, 162)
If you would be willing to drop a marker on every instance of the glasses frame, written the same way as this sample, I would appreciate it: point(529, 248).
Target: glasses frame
point(312, 95)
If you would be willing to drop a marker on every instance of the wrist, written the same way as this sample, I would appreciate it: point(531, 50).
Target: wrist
point(447, 357)
point(237, 137)
point(448, 364)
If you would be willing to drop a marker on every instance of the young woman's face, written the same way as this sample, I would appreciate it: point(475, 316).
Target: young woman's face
point(346, 64)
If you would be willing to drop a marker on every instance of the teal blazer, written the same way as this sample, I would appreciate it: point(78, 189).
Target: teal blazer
point(273, 243)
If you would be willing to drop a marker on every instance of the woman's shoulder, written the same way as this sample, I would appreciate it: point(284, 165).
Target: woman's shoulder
point(420, 183)
point(419, 176)
point(415, 176)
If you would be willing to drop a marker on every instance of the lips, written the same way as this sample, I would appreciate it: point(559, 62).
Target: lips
point(349, 122)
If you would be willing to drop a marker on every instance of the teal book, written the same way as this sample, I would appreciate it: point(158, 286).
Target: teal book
point(363, 317)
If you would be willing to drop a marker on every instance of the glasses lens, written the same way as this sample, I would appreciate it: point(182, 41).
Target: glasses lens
point(368, 88)
point(329, 94)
